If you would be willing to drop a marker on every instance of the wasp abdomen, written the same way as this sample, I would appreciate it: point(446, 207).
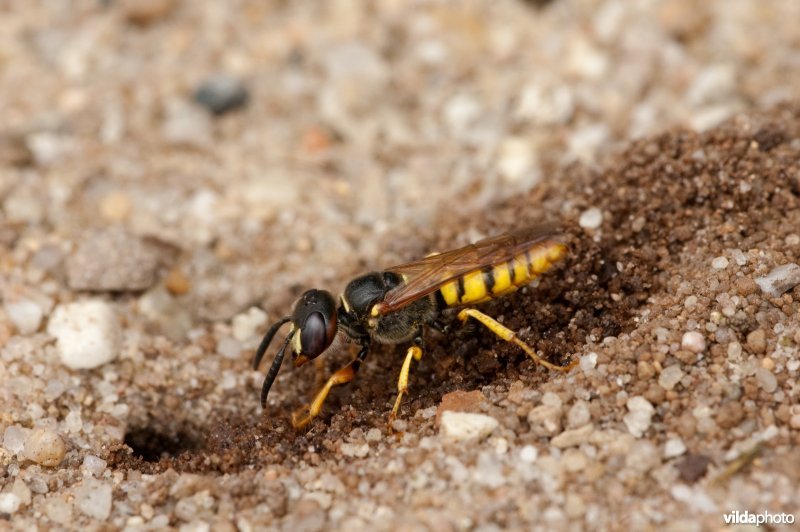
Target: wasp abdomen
point(497, 280)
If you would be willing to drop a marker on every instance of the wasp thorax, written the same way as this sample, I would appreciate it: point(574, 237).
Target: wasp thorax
point(314, 318)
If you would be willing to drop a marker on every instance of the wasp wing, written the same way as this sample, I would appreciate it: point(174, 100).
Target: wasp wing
point(425, 276)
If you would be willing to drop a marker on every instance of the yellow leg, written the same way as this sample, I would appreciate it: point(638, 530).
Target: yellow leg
point(402, 383)
point(301, 417)
point(510, 336)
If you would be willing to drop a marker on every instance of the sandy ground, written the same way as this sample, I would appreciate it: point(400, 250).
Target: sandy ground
point(147, 241)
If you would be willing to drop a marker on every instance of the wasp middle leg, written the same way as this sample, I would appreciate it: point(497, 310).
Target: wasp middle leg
point(414, 352)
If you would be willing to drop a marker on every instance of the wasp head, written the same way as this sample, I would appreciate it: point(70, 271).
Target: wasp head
point(314, 327)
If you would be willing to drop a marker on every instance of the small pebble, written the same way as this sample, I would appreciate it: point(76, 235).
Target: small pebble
point(229, 348)
point(25, 314)
point(572, 438)
point(357, 450)
point(247, 324)
point(767, 380)
point(113, 260)
point(545, 420)
point(588, 362)
point(640, 413)
point(374, 434)
point(591, 218)
point(462, 426)
point(529, 453)
point(578, 415)
point(93, 498)
point(780, 280)
point(221, 93)
point(670, 376)
point(87, 333)
point(94, 465)
point(693, 341)
point(693, 467)
point(757, 341)
point(14, 438)
point(116, 207)
point(719, 263)
point(146, 12)
point(674, 447)
point(45, 447)
point(9, 503)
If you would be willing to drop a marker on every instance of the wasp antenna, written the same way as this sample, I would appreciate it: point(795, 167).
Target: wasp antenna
point(273, 370)
point(262, 347)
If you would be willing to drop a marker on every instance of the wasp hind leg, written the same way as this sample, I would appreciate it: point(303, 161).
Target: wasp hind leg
point(303, 416)
point(510, 336)
point(415, 352)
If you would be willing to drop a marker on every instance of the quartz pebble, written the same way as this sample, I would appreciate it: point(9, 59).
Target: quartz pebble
point(767, 380)
point(591, 218)
point(94, 465)
point(113, 260)
point(674, 447)
point(247, 324)
point(45, 447)
point(462, 426)
point(670, 376)
point(719, 263)
point(779, 280)
point(93, 498)
point(693, 341)
point(87, 333)
point(25, 314)
point(14, 438)
point(640, 413)
point(9, 503)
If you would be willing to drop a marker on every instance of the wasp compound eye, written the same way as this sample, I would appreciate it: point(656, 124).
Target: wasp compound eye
point(314, 338)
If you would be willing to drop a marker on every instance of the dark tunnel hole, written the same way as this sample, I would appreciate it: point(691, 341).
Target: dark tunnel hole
point(151, 444)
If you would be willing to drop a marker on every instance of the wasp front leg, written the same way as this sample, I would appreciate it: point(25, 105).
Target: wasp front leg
point(303, 416)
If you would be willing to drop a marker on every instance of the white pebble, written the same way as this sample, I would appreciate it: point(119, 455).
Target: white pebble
point(358, 450)
point(94, 465)
point(87, 333)
point(670, 376)
point(780, 280)
point(45, 447)
point(247, 324)
point(767, 380)
point(719, 263)
point(674, 447)
point(14, 438)
point(591, 218)
point(25, 314)
point(9, 503)
point(467, 426)
point(588, 362)
point(93, 498)
point(693, 341)
point(739, 257)
point(578, 415)
point(640, 412)
point(528, 454)
point(229, 348)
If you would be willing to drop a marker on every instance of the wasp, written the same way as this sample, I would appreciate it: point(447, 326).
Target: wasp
point(394, 305)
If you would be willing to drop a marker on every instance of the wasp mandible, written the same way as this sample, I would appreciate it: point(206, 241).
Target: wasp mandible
point(394, 305)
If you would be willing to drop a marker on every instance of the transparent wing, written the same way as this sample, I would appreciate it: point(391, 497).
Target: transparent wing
point(426, 275)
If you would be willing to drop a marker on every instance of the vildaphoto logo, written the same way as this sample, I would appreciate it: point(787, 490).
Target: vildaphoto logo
point(737, 517)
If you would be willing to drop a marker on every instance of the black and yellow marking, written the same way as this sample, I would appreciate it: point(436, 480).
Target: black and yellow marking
point(497, 280)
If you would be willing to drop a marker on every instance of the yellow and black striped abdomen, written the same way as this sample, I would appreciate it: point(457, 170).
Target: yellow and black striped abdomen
point(495, 280)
